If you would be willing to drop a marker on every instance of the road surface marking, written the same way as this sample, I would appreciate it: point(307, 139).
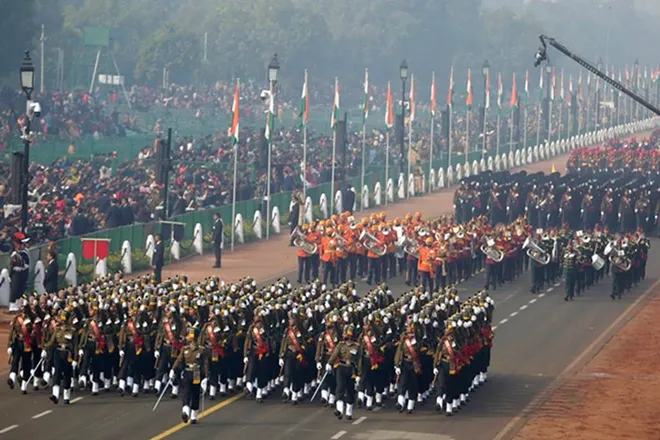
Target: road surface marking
point(360, 420)
point(541, 295)
point(340, 434)
point(211, 410)
point(533, 300)
point(8, 428)
point(41, 414)
point(494, 328)
point(503, 321)
point(77, 399)
point(557, 284)
point(523, 307)
point(549, 289)
point(542, 396)
point(513, 314)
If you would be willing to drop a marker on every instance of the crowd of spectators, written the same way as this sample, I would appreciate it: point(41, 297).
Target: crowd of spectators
point(74, 197)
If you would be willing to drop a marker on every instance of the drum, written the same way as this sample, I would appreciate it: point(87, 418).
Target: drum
point(597, 262)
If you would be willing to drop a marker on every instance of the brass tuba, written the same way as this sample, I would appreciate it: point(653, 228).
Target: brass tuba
point(618, 259)
point(411, 247)
point(371, 243)
point(300, 241)
point(491, 251)
point(536, 252)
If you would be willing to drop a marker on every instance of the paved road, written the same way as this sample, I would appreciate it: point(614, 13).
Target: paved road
point(537, 336)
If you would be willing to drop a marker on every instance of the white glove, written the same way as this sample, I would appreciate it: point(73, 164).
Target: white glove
point(172, 374)
point(205, 383)
point(156, 354)
point(357, 381)
point(44, 353)
point(328, 367)
point(245, 360)
point(81, 353)
point(397, 371)
point(435, 371)
point(74, 364)
point(121, 353)
point(281, 362)
point(319, 366)
point(9, 351)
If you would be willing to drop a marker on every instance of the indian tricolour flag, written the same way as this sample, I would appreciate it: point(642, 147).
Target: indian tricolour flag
point(450, 90)
point(365, 108)
point(500, 91)
point(235, 116)
point(304, 103)
point(514, 92)
point(468, 100)
point(561, 86)
point(335, 106)
point(270, 115)
point(389, 113)
point(487, 103)
point(433, 94)
point(526, 85)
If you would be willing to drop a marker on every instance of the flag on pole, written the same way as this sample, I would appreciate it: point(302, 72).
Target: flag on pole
point(335, 106)
point(235, 115)
point(412, 98)
point(561, 86)
point(270, 115)
point(365, 109)
point(468, 100)
point(389, 112)
point(553, 85)
point(526, 85)
point(570, 88)
point(514, 92)
point(304, 103)
point(450, 90)
point(500, 91)
point(433, 94)
point(580, 95)
point(487, 105)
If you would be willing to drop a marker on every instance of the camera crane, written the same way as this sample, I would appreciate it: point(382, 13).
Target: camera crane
point(542, 55)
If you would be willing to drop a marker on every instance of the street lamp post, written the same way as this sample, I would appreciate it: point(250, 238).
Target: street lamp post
point(403, 74)
point(27, 84)
point(273, 71)
point(485, 70)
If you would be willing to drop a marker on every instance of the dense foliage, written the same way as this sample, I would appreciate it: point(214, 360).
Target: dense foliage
point(330, 38)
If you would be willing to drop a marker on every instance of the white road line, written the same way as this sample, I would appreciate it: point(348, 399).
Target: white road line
point(8, 428)
point(77, 399)
point(513, 314)
point(41, 414)
point(532, 301)
point(503, 321)
point(523, 307)
point(340, 434)
point(541, 295)
point(549, 289)
point(360, 420)
point(494, 328)
point(557, 284)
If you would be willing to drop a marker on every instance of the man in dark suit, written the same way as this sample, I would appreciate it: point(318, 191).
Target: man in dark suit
point(348, 199)
point(113, 216)
point(218, 239)
point(159, 259)
point(52, 273)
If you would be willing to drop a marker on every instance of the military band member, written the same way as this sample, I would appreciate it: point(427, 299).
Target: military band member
point(193, 369)
point(618, 272)
point(328, 251)
point(425, 264)
point(344, 361)
point(570, 271)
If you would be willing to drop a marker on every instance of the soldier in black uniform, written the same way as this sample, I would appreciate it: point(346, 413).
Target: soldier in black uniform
point(19, 270)
point(218, 239)
point(159, 259)
point(344, 360)
point(63, 343)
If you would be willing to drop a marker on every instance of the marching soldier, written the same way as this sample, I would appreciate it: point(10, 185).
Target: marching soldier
point(194, 373)
point(408, 368)
point(92, 350)
point(20, 347)
point(344, 360)
point(370, 363)
point(293, 360)
point(325, 346)
point(63, 343)
point(256, 356)
point(168, 346)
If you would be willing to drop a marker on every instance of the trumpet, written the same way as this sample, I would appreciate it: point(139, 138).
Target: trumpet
point(536, 252)
point(300, 241)
point(371, 243)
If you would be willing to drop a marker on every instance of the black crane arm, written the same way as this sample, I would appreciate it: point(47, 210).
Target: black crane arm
point(541, 55)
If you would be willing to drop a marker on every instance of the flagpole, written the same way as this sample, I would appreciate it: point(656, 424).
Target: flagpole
point(387, 162)
point(449, 141)
point(561, 120)
point(467, 136)
point(483, 147)
point(511, 120)
point(409, 157)
point(332, 179)
point(268, 174)
point(524, 127)
point(233, 197)
point(364, 158)
point(538, 122)
point(431, 149)
point(497, 134)
point(304, 122)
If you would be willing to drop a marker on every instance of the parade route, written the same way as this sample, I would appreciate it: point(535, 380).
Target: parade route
point(537, 336)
